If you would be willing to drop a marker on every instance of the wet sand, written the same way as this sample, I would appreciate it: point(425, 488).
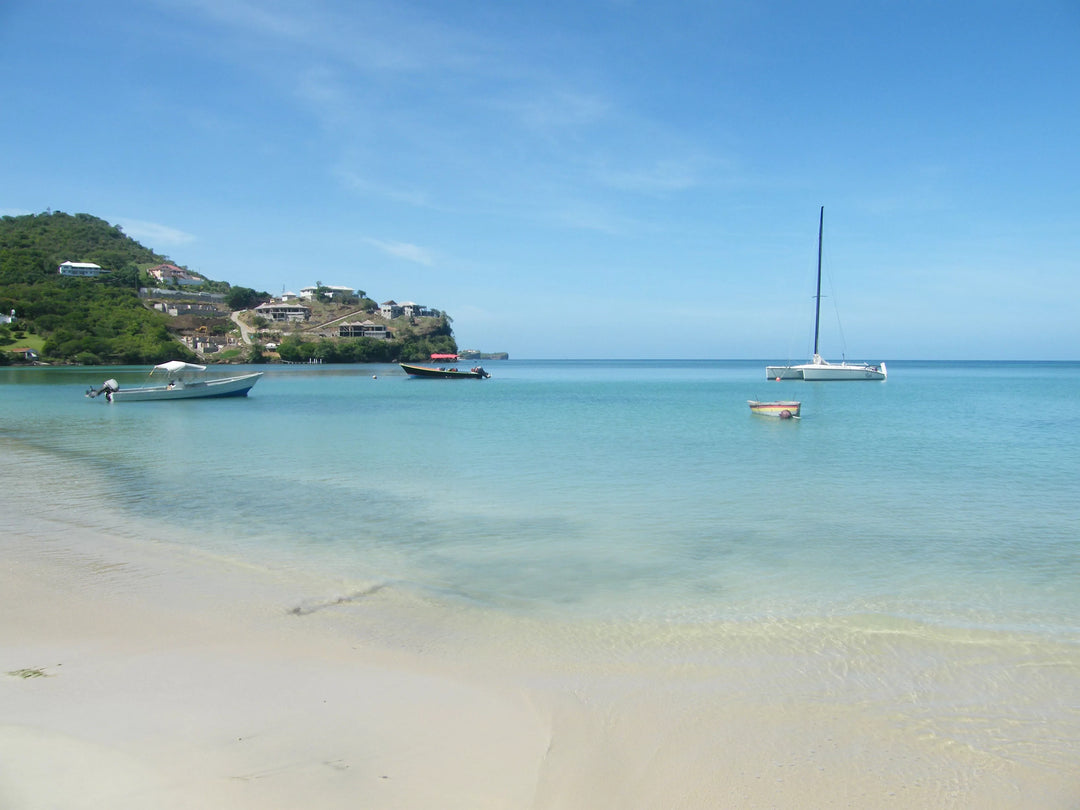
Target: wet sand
point(135, 673)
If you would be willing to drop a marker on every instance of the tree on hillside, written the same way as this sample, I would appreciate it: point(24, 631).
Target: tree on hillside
point(88, 320)
point(103, 320)
point(33, 246)
point(245, 298)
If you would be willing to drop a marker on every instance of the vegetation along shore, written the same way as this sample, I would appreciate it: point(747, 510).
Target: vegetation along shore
point(76, 290)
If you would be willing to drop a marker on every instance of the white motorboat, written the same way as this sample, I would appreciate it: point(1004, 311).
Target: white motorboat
point(179, 380)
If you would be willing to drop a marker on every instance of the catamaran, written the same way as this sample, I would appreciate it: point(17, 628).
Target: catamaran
point(818, 368)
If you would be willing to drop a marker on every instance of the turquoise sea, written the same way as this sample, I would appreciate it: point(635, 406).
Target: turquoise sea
point(614, 490)
point(894, 578)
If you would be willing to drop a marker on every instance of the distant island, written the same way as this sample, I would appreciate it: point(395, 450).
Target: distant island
point(473, 354)
point(76, 290)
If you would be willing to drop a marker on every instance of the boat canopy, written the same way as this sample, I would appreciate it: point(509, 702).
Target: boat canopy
point(173, 366)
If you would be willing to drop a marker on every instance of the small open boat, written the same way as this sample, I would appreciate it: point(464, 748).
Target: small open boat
point(180, 381)
point(784, 409)
point(475, 373)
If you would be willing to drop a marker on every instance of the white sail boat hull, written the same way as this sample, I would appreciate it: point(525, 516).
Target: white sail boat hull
point(783, 372)
point(843, 371)
point(820, 372)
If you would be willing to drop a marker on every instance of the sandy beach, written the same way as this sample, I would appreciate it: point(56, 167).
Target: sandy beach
point(135, 673)
point(135, 680)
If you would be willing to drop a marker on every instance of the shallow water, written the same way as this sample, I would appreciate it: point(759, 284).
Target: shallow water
point(638, 490)
point(904, 559)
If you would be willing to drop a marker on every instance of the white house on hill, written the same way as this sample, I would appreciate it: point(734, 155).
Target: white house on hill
point(414, 310)
point(80, 269)
point(283, 312)
point(368, 329)
point(170, 272)
point(328, 290)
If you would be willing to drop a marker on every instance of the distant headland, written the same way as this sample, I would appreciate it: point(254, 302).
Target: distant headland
point(80, 291)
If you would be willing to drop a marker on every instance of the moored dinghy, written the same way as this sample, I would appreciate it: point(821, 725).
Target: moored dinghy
point(783, 409)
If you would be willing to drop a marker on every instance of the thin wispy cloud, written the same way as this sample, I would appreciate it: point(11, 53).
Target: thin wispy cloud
point(555, 109)
point(385, 85)
point(153, 234)
point(364, 36)
point(403, 250)
point(583, 215)
point(265, 19)
point(599, 147)
point(353, 179)
point(662, 175)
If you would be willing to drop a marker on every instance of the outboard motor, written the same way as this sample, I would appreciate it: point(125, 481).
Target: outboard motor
point(107, 388)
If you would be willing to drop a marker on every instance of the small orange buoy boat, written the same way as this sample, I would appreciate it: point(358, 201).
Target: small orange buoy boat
point(784, 409)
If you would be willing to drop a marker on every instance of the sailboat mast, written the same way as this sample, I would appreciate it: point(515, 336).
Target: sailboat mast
point(817, 298)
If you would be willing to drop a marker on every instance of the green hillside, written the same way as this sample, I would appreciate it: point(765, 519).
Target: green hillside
point(32, 247)
point(79, 320)
point(102, 320)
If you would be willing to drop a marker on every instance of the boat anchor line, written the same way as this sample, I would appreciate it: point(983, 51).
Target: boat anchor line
point(309, 608)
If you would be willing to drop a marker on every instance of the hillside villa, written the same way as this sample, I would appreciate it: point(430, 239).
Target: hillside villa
point(80, 269)
point(368, 329)
point(170, 272)
point(282, 312)
point(331, 292)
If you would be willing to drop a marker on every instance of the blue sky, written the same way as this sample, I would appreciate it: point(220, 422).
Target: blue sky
point(588, 178)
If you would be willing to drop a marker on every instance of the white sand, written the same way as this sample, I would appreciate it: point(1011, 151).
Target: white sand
point(172, 680)
point(222, 699)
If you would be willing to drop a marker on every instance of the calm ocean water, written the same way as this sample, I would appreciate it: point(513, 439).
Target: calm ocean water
point(607, 489)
